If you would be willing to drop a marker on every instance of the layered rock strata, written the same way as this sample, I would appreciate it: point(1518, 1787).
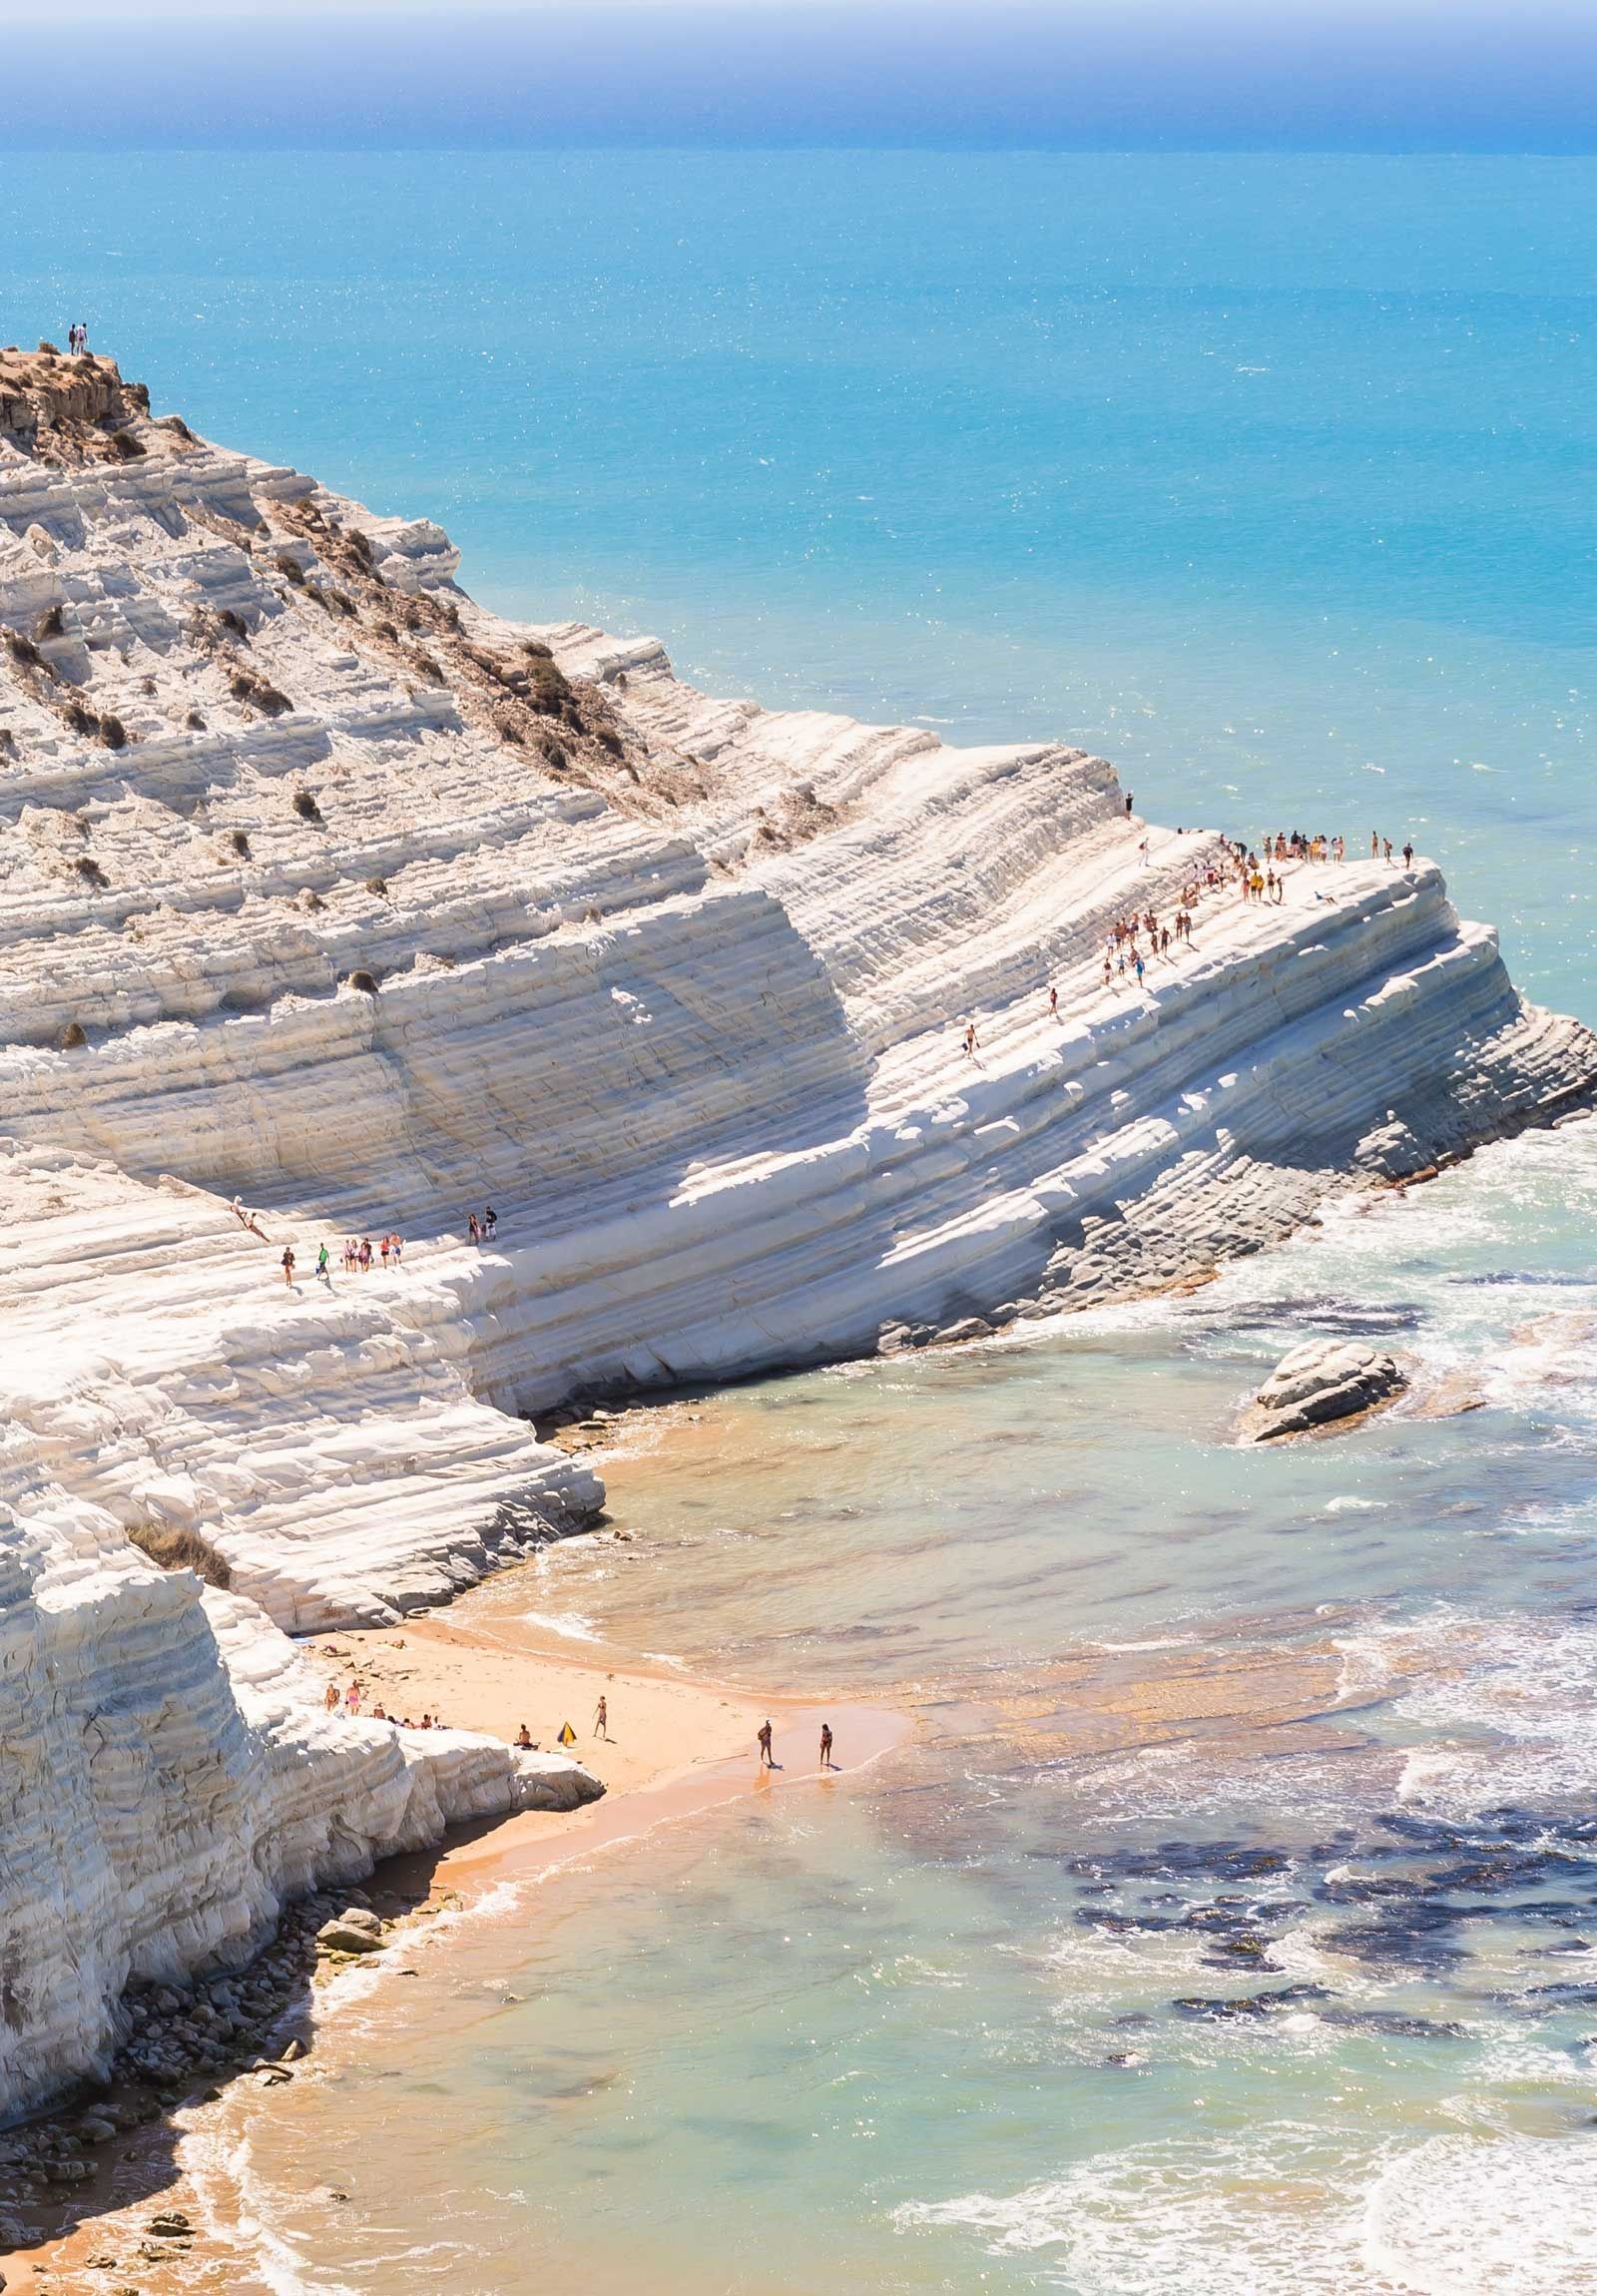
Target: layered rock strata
point(322, 887)
point(1321, 1383)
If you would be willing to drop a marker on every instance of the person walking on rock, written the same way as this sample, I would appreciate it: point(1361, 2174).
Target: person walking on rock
point(287, 1265)
point(325, 1266)
point(472, 1230)
point(1409, 855)
point(366, 1254)
point(490, 1222)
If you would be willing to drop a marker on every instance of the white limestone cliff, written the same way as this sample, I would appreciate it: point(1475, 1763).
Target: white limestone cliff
point(321, 885)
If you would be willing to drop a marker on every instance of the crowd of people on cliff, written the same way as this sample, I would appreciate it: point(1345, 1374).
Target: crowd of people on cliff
point(1141, 936)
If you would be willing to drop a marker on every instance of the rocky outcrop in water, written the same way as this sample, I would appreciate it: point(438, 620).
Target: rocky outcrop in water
point(1319, 1383)
point(324, 888)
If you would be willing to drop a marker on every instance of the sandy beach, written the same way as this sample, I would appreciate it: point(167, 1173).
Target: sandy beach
point(676, 1746)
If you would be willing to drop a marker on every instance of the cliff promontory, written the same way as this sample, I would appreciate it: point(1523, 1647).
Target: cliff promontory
point(324, 889)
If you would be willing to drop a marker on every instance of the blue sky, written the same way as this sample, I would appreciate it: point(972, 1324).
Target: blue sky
point(1364, 75)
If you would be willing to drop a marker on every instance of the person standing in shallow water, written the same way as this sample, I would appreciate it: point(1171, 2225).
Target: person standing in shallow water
point(763, 1735)
point(826, 1746)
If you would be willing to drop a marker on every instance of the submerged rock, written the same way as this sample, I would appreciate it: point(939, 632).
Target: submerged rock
point(1319, 1383)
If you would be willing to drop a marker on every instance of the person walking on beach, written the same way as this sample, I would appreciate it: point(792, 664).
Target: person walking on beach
point(331, 1699)
point(826, 1746)
point(287, 1265)
point(767, 1758)
point(600, 1719)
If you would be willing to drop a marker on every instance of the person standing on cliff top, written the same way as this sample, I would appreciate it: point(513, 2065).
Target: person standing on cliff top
point(1408, 855)
point(1128, 804)
point(763, 1737)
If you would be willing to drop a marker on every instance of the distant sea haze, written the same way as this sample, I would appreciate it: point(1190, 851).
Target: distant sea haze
point(1109, 75)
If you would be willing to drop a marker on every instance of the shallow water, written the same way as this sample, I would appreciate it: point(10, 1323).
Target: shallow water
point(1270, 479)
point(1309, 1730)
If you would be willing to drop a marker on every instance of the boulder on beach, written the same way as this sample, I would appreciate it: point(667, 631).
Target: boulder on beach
point(355, 1930)
point(1319, 1383)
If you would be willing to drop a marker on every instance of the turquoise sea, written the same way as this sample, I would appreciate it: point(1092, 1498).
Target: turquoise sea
point(1231, 1926)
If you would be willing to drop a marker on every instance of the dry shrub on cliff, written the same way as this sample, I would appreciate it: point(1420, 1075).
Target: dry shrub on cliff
point(91, 871)
point(113, 732)
point(171, 1548)
point(52, 623)
point(366, 982)
point(72, 1038)
point(124, 447)
point(289, 568)
point(306, 806)
point(239, 843)
point(245, 686)
point(24, 651)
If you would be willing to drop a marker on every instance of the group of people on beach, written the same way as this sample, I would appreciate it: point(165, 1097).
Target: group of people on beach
point(768, 1758)
point(351, 1701)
